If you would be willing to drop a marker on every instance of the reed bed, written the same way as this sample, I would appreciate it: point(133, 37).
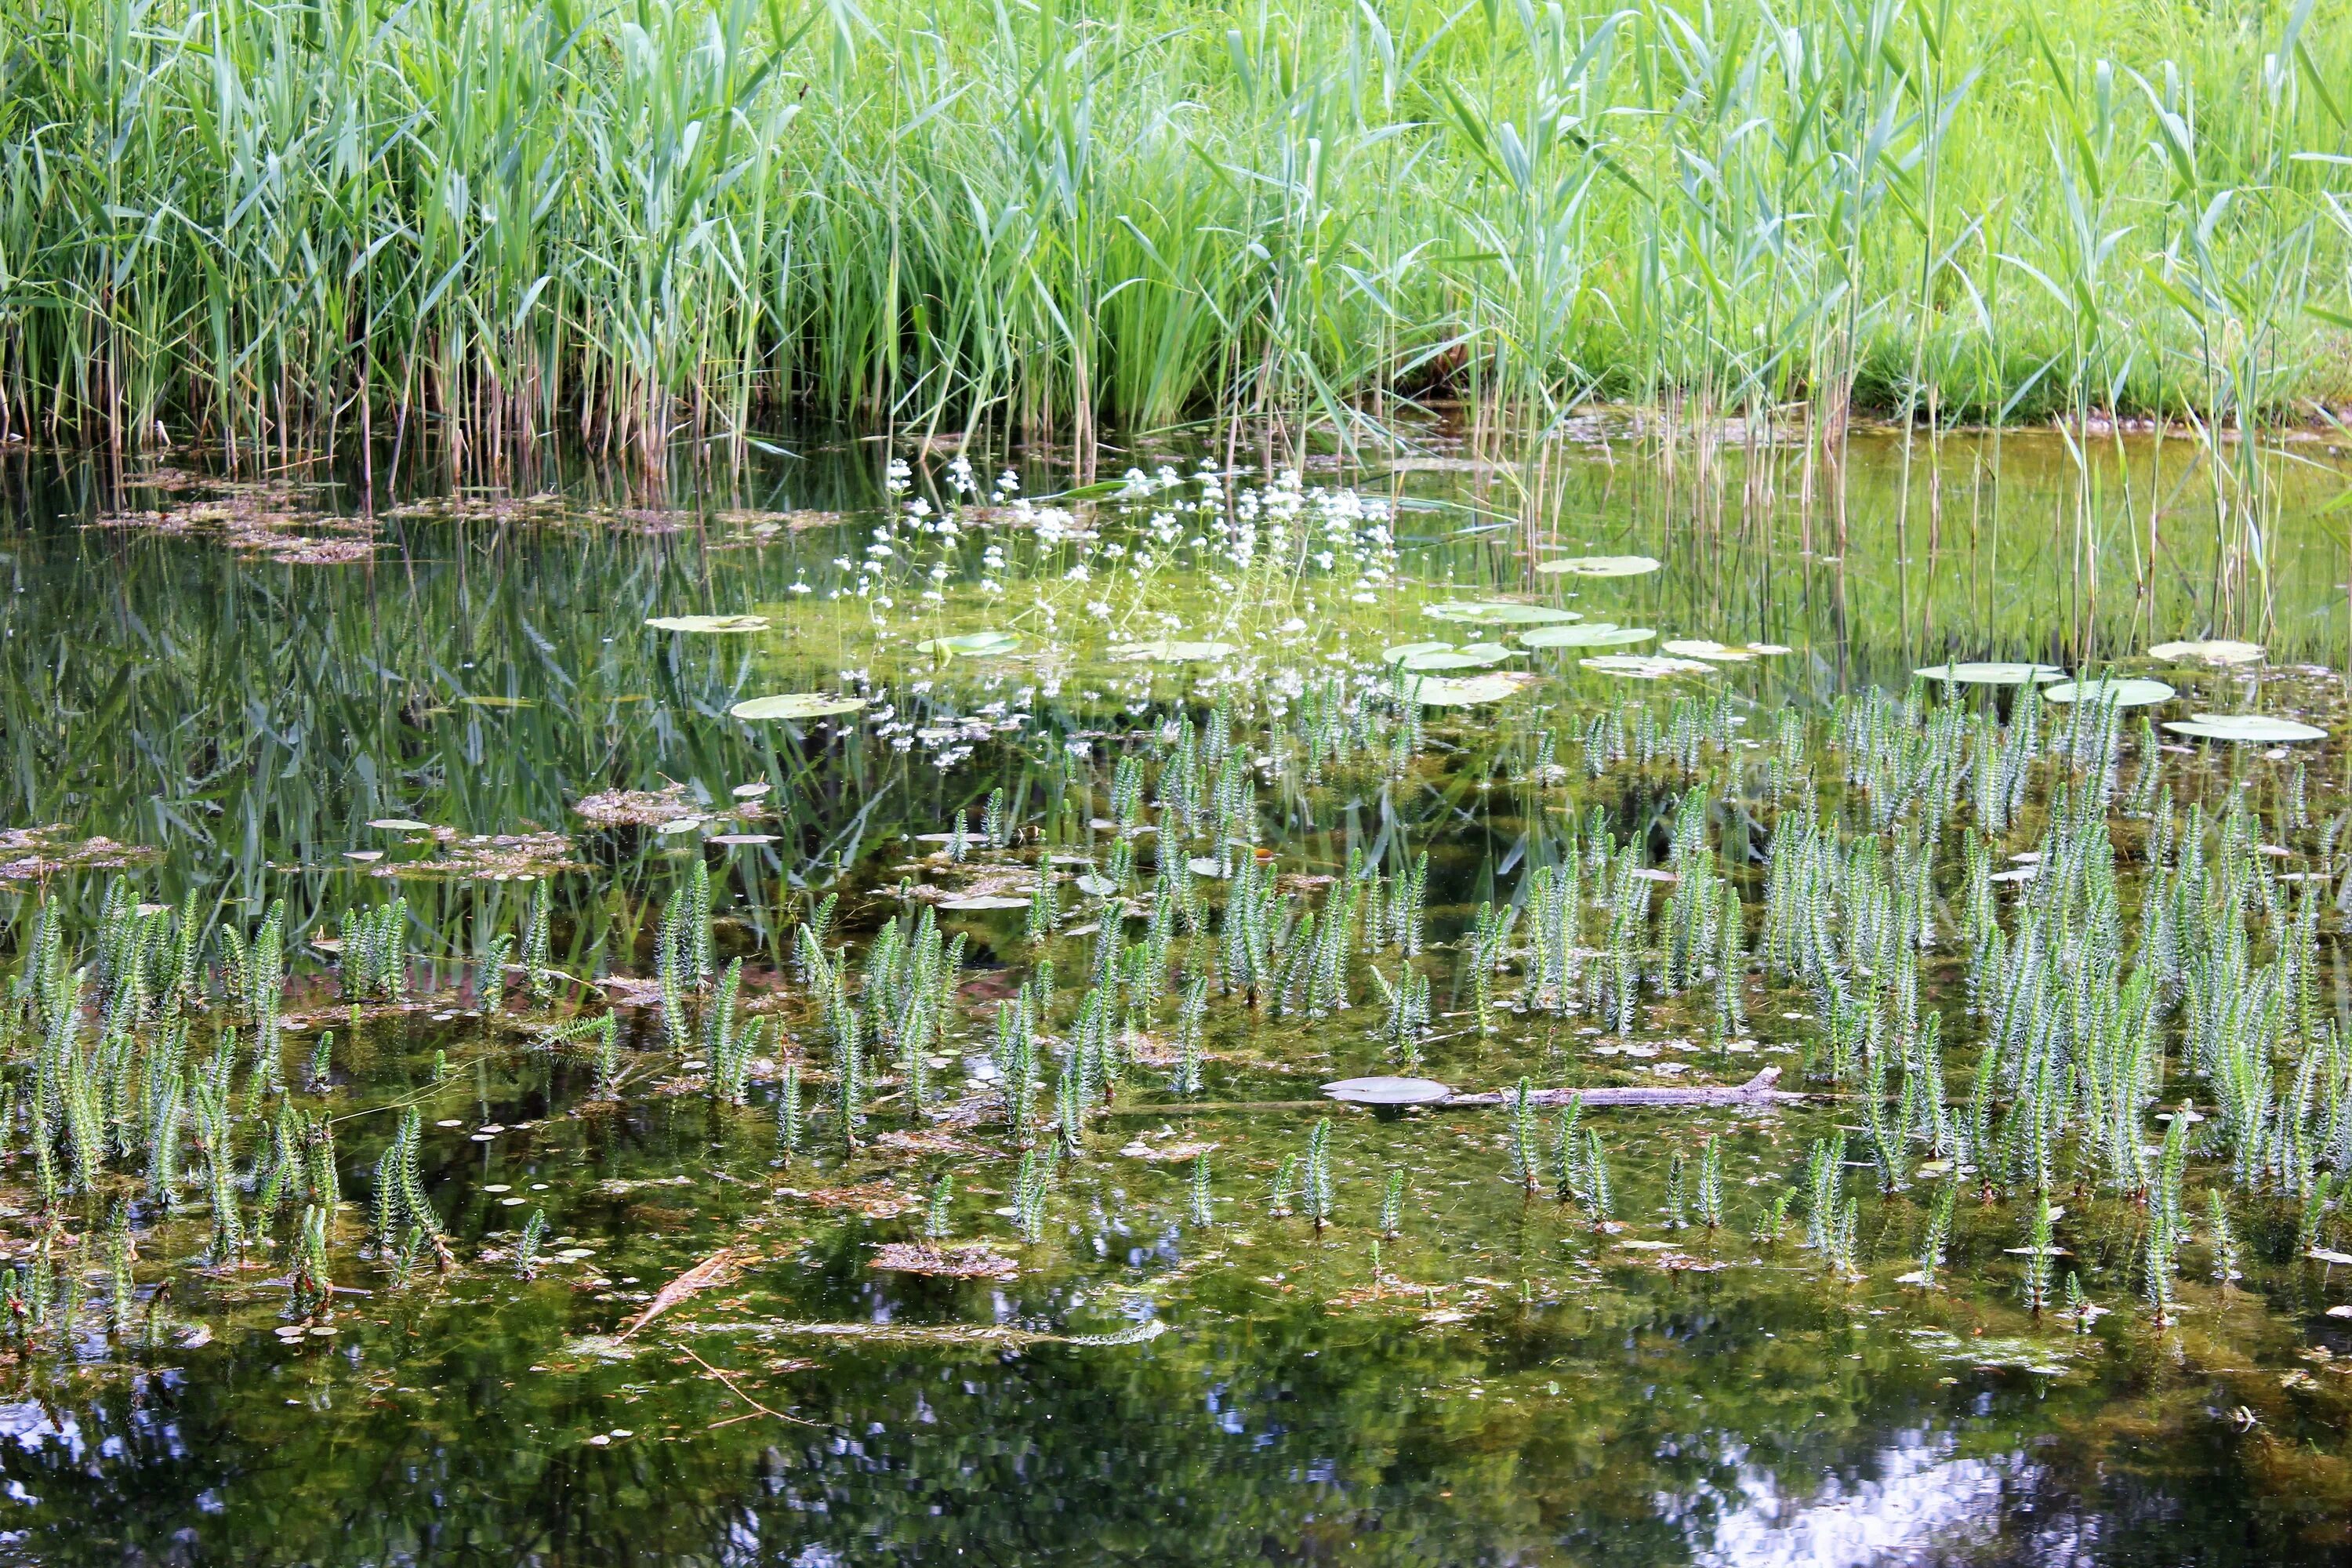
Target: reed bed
point(271, 227)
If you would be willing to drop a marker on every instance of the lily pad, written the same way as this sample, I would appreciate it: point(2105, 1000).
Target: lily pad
point(1500, 613)
point(1427, 658)
point(709, 623)
point(2260, 729)
point(1994, 672)
point(1600, 634)
point(970, 644)
point(985, 901)
point(1443, 691)
point(1644, 666)
point(1720, 653)
point(2117, 693)
point(1405, 650)
point(1598, 566)
point(1167, 651)
point(796, 705)
point(401, 825)
point(2222, 651)
point(1388, 1090)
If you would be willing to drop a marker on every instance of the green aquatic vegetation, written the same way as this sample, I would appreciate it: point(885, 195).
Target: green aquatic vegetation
point(1526, 1160)
point(375, 953)
point(791, 1128)
point(402, 1210)
point(1315, 1175)
point(1031, 1188)
point(528, 1245)
point(1202, 1201)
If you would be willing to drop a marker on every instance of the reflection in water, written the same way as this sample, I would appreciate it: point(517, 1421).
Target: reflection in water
point(1915, 1502)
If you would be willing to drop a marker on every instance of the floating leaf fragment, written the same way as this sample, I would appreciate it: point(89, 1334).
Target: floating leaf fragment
point(401, 825)
point(1598, 566)
point(796, 705)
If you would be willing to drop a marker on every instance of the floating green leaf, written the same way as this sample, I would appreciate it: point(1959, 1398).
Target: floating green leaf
point(1600, 634)
point(1990, 673)
point(1406, 650)
point(796, 705)
point(1720, 653)
point(2110, 690)
point(1165, 651)
point(2260, 729)
point(2220, 651)
point(1422, 657)
point(709, 623)
point(1440, 691)
point(401, 825)
point(1500, 613)
point(970, 644)
point(1598, 566)
point(1645, 667)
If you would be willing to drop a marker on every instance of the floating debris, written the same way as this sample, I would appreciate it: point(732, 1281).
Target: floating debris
point(955, 1260)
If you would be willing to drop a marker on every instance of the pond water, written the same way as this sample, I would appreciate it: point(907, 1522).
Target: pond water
point(378, 1053)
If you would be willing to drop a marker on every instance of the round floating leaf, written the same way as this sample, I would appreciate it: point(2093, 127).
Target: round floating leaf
point(1719, 653)
point(1389, 1090)
point(1163, 651)
point(2221, 651)
point(1598, 566)
point(1601, 634)
point(1476, 656)
point(401, 825)
point(1095, 887)
point(1500, 613)
point(985, 901)
point(2108, 689)
point(796, 705)
point(1440, 691)
point(2260, 729)
point(1990, 673)
point(1406, 650)
point(1643, 667)
point(679, 825)
point(709, 623)
point(970, 644)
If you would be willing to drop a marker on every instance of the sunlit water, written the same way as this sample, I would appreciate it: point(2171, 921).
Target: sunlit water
point(1498, 1381)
